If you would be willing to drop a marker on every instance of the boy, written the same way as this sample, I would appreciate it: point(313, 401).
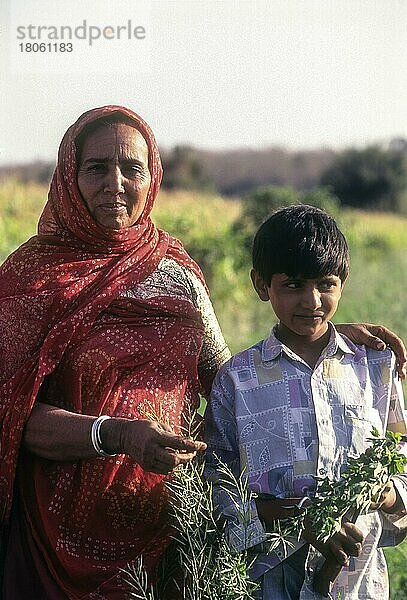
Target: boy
point(294, 406)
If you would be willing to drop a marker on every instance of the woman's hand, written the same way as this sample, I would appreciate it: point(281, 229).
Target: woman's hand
point(377, 337)
point(153, 445)
point(57, 434)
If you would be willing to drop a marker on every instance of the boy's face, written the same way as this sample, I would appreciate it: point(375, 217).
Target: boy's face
point(303, 306)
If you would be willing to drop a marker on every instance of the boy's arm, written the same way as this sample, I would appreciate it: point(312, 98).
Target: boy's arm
point(394, 503)
point(243, 528)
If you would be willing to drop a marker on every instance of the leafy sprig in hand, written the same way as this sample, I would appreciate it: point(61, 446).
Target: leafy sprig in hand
point(359, 488)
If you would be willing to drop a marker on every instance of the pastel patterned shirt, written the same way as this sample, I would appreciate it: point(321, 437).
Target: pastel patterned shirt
point(281, 422)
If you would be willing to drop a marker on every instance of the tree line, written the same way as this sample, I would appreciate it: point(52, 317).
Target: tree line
point(373, 177)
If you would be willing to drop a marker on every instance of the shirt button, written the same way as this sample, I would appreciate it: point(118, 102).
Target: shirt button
point(322, 471)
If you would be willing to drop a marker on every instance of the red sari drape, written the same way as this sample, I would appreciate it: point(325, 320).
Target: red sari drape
point(64, 320)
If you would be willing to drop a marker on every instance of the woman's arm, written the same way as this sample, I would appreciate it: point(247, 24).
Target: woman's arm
point(377, 337)
point(57, 434)
point(214, 351)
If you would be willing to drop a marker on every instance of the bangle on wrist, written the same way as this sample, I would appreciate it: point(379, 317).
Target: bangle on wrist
point(95, 436)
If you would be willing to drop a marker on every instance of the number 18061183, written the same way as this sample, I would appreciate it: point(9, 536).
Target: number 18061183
point(46, 47)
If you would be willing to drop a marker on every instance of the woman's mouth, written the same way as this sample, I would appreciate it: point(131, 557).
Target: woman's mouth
point(113, 208)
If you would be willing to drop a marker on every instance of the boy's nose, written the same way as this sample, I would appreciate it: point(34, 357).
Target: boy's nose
point(114, 180)
point(312, 299)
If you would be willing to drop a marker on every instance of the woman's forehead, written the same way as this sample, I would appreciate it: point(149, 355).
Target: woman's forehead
point(115, 140)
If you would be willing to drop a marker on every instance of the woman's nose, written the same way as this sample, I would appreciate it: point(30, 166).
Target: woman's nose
point(114, 180)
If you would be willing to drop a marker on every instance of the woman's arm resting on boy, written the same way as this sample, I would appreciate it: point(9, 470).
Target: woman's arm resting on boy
point(377, 337)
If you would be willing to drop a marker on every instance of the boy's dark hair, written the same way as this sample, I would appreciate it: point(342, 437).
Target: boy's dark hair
point(300, 240)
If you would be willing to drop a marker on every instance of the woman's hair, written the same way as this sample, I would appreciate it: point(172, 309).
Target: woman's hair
point(108, 121)
point(300, 241)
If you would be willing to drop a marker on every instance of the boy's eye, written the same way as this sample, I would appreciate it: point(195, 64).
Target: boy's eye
point(325, 286)
point(293, 285)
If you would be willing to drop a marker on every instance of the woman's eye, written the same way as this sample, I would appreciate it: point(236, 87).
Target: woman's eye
point(96, 168)
point(133, 171)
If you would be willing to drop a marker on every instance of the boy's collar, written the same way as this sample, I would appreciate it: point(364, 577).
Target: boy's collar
point(272, 346)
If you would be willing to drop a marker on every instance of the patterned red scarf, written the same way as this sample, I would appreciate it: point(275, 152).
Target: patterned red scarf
point(61, 291)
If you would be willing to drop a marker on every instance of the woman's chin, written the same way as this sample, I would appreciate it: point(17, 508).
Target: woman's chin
point(112, 222)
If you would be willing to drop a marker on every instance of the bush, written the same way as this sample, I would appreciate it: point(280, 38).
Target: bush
point(370, 178)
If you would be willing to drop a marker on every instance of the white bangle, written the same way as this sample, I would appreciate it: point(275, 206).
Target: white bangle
point(95, 436)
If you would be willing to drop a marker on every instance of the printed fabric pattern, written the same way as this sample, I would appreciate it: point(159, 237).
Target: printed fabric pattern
point(70, 335)
point(281, 423)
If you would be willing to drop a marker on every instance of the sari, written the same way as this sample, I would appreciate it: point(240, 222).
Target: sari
point(70, 333)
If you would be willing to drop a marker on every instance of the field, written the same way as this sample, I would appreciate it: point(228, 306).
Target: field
point(375, 291)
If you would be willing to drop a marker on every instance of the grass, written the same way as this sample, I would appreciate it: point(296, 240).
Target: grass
point(20, 207)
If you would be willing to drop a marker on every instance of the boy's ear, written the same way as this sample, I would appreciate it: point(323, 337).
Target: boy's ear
point(259, 285)
point(344, 281)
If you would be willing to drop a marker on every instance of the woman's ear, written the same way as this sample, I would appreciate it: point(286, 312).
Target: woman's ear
point(259, 285)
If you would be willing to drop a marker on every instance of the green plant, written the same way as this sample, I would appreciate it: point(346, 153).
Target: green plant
point(199, 562)
point(396, 559)
point(360, 486)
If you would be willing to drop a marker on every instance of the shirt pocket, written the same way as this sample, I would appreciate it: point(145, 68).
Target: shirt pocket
point(359, 422)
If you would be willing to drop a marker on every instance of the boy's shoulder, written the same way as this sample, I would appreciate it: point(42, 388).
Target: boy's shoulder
point(252, 367)
point(362, 352)
point(244, 358)
point(239, 372)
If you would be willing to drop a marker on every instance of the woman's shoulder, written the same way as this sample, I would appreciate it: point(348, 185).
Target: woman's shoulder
point(22, 267)
point(169, 279)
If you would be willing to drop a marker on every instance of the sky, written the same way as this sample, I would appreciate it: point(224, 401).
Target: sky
point(209, 73)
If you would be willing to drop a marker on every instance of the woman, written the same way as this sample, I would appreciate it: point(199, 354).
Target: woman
point(103, 315)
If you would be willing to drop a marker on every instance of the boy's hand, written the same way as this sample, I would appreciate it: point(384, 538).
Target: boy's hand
point(377, 337)
point(344, 543)
point(389, 500)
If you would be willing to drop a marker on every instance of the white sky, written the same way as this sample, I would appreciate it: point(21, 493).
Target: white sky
point(214, 74)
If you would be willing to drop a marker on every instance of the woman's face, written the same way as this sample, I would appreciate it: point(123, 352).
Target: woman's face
point(113, 175)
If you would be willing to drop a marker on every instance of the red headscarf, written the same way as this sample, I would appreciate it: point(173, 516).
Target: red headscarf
point(54, 287)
